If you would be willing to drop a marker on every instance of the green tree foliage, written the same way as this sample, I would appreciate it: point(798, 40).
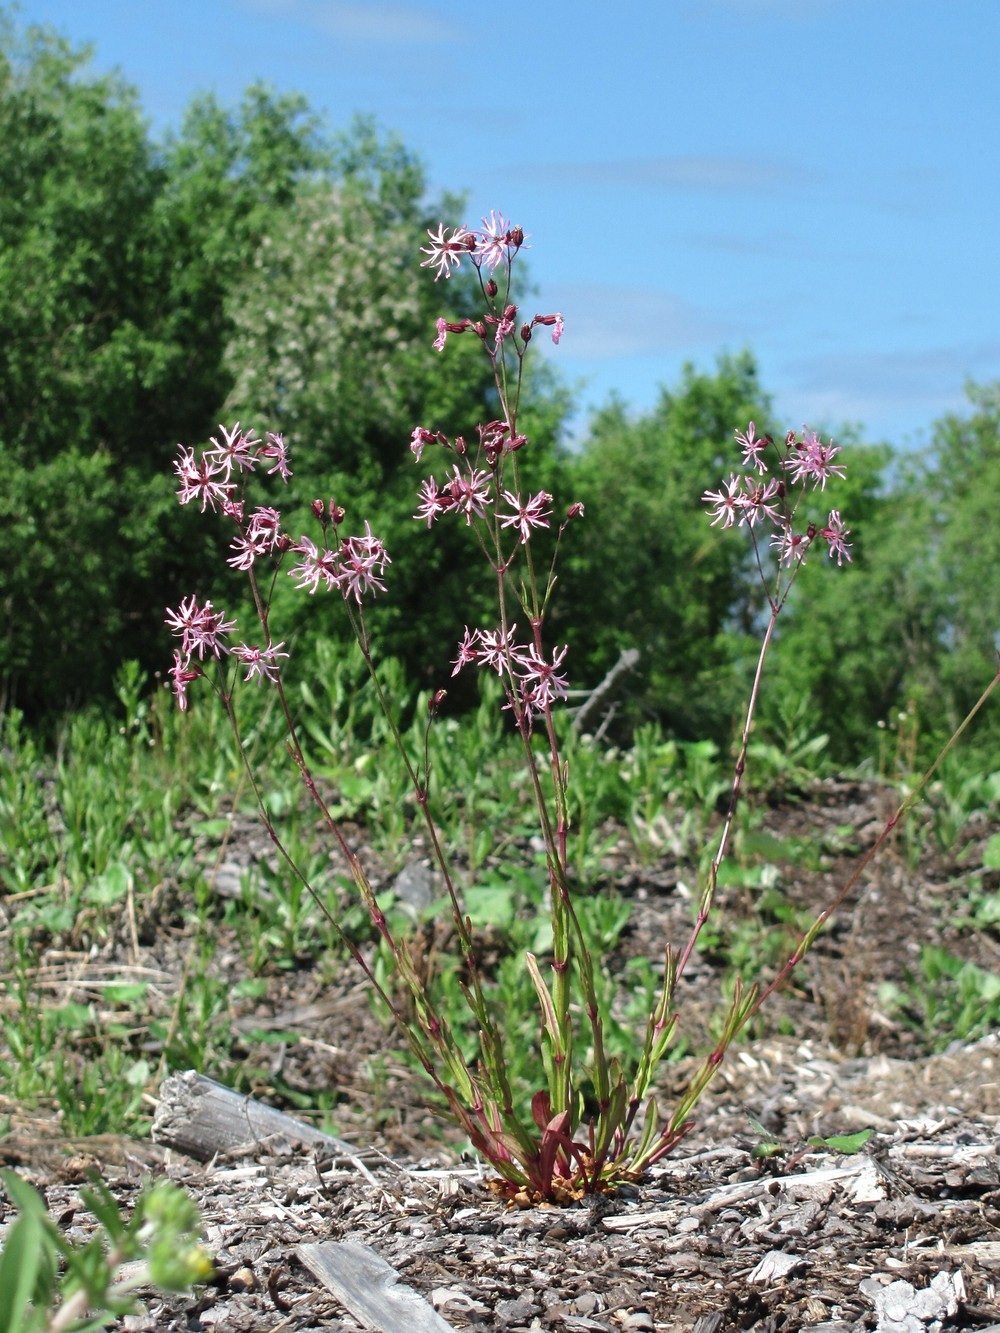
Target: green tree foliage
point(76, 180)
point(962, 485)
point(251, 266)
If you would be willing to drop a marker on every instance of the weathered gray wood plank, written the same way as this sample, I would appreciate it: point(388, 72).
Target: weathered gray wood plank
point(370, 1289)
point(202, 1118)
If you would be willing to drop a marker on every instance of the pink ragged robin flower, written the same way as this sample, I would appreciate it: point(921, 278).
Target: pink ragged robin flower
point(445, 252)
point(753, 446)
point(206, 480)
point(527, 516)
point(316, 564)
point(200, 628)
point(432, 502)
point(496, 648)
point(791, 546)
point(274, 447)
point(541, 680)
point(362, 564)
point(555, 322)
point(728, 504)
point(236, 449)
point(466, 650)
point(813, 461)
point(265, 526)
point(446, 326)
point(247, 550)
point(181, 675)
point(759, 500)
point(260, 662)
point(421, 437)
point(835, 534)
point(469, 494)
point(493, 242)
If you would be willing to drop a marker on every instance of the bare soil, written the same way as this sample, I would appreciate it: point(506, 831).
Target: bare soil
point(716, 1238)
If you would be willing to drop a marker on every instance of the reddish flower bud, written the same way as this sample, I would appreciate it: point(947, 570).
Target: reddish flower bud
point(517, 237)
point(811, 531)
point(509, 313)
point(575, 510)
point(491, 289)
point(436, 700)
point(337, 513)
point(526, 333)
point(459, 445)
point(319, 509)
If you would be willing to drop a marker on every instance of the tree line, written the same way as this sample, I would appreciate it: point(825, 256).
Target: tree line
point(253, 265)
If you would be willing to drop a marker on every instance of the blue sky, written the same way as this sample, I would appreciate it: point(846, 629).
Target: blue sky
point(813, 179)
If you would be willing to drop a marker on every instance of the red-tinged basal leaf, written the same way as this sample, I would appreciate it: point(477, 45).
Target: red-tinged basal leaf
point(555, 1140)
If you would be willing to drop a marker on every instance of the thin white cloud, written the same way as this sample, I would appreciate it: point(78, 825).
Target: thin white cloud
point(875, 388)
point(699, 172)
point(618, 322)
point(767, 9)
point(783, 245)
point(357, 21)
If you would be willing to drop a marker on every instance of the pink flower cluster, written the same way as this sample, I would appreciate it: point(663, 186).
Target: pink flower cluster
point(503, 325)
point(495, 243)
point(748, 499)
point(535, 684)
point(355, 565)
point(201, 629)
point(210, 478)
point(474, 491)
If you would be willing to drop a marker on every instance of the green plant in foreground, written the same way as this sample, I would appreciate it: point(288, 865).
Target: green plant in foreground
point(595, 1121)
point(50, 1285)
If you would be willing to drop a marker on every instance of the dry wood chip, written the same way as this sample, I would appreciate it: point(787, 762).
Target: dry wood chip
point(774, 1268)
point(370, 1288)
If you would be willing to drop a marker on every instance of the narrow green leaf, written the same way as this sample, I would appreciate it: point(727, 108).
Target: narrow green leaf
point(845, 1143)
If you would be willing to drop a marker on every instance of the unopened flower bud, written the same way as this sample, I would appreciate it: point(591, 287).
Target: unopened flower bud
point(319, 509)
point(575, 510)
point(810, 531)
point(459, 445)
point(526, 333)
point(491, 289)
point(509, 313)
point(337, 513)
point(517, 237)
point(480, 328)
point(436, 700)
point(284, 543)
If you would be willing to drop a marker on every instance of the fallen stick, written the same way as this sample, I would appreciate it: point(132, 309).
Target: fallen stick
point(204, 1119)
